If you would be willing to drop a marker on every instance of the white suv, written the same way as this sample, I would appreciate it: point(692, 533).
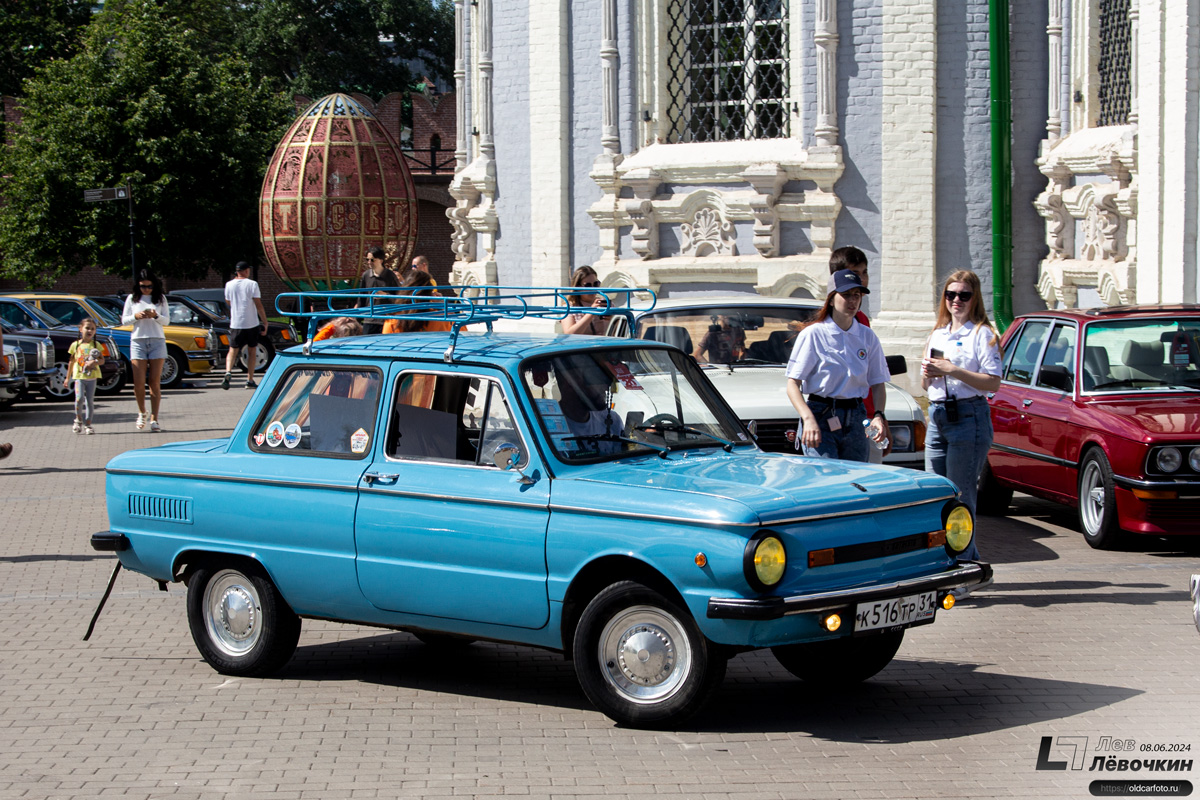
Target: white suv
point(755, 384)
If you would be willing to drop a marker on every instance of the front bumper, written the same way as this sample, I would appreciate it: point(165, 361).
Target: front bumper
point(965, 573)
point(199, 361)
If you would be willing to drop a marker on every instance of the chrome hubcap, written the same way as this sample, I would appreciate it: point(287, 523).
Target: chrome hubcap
point(233, 613)
point(644, 654)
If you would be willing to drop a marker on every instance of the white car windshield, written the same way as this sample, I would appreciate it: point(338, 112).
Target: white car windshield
point(610, 403)
point(1142, 355)
point(728, 335)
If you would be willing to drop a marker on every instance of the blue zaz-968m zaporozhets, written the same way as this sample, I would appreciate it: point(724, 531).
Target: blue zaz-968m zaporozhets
point(589, 495)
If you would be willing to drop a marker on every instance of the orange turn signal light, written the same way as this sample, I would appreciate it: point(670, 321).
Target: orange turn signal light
point(820, 558)
point(948, 601)
point(1155, 494)
point(832, 622)
point(935, 538)
point(701, 559)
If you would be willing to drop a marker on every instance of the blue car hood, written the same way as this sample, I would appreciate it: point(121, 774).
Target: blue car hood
point(745, 488)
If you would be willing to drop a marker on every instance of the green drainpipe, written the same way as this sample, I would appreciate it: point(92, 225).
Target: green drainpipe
point(1001, 114)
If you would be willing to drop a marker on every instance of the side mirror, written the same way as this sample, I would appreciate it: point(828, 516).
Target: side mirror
point(897, 365)
point(752, 426)
point(506, 456)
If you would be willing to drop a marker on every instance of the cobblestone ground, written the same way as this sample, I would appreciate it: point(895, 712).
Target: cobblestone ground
point(1070, 643)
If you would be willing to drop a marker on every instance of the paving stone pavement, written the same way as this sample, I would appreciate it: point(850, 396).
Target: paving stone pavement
point(1070, 643)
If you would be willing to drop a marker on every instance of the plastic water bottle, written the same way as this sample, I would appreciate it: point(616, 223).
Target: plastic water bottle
point(880, 445)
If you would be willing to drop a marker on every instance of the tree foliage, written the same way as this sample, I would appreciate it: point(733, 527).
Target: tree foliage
point(150, 102)
point(34, 32)
point(314, 47)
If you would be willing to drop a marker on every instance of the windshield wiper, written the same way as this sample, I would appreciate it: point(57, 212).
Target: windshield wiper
point(670, 426)
point(613, 437)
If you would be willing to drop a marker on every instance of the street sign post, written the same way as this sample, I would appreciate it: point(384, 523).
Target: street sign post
point(117, 193)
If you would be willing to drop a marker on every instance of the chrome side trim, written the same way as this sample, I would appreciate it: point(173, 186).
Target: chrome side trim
point(767, 608)
point(1186, 488)
point(1016, 451)
point(483, 501)
point(236, 479)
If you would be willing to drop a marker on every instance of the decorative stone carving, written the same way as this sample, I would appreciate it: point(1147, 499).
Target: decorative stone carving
point(708, 233)
point(767, 180)
point(1090, 208)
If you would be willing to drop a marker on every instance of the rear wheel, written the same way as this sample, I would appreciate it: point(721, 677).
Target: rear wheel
point(840, 662)
point(642, 660)
point(1098, 502)
point(239, 621)
point(173, 366)
point(992, 498)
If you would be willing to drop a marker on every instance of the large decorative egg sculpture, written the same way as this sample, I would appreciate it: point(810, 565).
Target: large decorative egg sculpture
point(336, 187)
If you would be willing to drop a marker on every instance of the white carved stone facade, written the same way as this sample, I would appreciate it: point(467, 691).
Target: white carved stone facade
point(1104, 245)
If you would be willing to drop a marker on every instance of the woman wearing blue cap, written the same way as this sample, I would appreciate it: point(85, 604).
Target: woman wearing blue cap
point(837, 361)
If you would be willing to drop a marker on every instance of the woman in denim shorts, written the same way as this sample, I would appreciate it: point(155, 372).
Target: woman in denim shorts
point(146, 310)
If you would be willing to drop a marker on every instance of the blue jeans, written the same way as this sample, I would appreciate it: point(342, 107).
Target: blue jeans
point(958, 450)
point(849, 442)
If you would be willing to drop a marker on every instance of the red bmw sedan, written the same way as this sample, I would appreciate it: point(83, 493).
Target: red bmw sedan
point(1100, 409)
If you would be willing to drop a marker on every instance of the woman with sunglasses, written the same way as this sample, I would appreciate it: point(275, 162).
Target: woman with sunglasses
point(591, 324)
point(147, 311)
point(961, 365)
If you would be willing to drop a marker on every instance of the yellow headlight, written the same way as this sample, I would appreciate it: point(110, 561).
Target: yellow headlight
point(959, 528)
point(770, 561)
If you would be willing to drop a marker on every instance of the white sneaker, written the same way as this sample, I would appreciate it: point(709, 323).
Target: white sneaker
point(141, 421)
point(75, 426)
point(89, 430)
point(154, 426)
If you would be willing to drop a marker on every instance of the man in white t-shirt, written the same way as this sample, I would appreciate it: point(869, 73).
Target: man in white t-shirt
point(247, 321)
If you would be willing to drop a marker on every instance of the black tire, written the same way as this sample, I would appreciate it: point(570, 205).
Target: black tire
point(265, 351)
point(54, 389)
point(1098, 502)
point(992, 498)
point(840, 662)
point(173, 366)
point(116, 383)
point(239, 621)
point(642, 660)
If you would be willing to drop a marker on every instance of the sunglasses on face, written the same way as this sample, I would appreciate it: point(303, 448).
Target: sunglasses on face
point(592, 285)
point(964, 296)
point(145, 285)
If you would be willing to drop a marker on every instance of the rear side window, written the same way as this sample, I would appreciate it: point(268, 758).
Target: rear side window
point(1058, 365)
point(327, 411)
point(451, 418)
point(70, 313)
point(1023, 356)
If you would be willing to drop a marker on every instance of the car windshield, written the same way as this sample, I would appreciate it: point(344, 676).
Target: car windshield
point(108, 318)
point(604, 404)
point(729, 335)
point(1142, 355)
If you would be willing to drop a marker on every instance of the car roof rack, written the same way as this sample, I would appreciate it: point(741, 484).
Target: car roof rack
point(474, 304)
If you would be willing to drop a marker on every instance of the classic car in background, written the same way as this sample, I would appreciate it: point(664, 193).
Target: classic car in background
point(34, 326)
point(1100, 409)
point(190, 351)
point(12, 380)
point(755, 384)
point(187, 311)
point(601, 487)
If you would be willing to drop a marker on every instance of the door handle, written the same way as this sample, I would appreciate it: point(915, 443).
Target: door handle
point(1026, 403)
point(382, 477)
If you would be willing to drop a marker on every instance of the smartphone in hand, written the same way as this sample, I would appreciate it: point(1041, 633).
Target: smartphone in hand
point(935, 353)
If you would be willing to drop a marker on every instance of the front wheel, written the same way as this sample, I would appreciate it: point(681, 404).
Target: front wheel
point(1098, 502)
point(173, 366)
point(642, 660)
point(54, 390)
point(240, 622)
point(839, 662)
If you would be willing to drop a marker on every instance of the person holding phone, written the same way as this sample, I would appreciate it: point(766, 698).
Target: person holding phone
point(961, 365)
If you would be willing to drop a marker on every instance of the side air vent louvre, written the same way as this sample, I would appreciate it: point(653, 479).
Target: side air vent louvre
point(171, 509)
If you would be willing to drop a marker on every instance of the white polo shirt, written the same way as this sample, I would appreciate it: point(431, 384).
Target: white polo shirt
point(969, 347)
point(832, 362)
